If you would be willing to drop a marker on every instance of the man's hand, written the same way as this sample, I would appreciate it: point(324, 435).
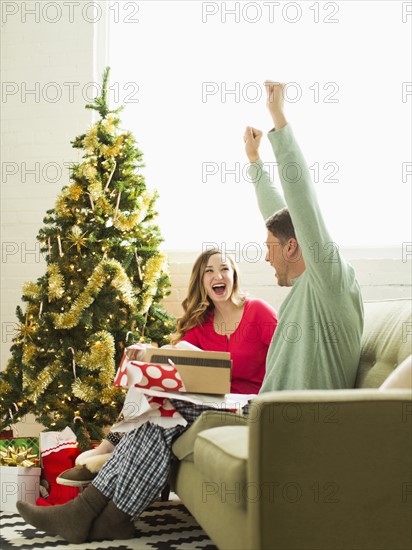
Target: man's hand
point(274, 102)
point(252, 139)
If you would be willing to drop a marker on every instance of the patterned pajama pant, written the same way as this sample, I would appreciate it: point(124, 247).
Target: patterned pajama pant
point(139, 467)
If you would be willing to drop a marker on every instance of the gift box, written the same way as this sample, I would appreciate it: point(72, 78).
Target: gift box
point(26, 447)
point(201, 371)
point(18, 483)
point(205, 372)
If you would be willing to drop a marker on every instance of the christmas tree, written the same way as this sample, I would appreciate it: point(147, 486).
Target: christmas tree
point(101, 292)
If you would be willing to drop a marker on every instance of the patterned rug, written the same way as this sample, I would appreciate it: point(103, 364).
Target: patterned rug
point(164, 526)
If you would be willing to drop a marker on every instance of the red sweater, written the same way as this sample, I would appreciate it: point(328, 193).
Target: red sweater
point(248, 345)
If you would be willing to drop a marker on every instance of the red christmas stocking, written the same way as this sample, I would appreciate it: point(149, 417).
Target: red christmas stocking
point(58, 453)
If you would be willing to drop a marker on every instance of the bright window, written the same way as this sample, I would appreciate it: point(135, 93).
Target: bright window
point(197, 71)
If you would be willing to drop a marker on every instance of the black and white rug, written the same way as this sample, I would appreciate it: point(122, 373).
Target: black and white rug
point(164, 526)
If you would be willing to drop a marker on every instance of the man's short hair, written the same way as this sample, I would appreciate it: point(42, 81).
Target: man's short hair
point(281, 226)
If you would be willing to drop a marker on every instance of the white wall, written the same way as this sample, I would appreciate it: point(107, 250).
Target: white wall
point(55, 61)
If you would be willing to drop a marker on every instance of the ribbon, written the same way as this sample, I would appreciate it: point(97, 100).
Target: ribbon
point(18, 456)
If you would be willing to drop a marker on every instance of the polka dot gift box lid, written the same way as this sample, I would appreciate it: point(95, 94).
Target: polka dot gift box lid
point(149, 377)
point(157, 377)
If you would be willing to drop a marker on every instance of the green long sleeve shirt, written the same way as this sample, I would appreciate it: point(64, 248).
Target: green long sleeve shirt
point(317, 341)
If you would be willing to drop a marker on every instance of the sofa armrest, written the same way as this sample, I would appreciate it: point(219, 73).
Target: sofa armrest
point(184, 445)
point(331, 469)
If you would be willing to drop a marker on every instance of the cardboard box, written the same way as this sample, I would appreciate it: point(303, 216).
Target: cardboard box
point(201, 371)
point(18, 483)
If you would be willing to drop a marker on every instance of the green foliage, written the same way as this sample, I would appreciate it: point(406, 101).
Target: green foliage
point(102, 291)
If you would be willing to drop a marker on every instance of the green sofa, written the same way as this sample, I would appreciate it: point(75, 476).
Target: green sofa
point(310, 470)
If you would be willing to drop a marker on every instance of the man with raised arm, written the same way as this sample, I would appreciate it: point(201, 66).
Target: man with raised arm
point(318, 338)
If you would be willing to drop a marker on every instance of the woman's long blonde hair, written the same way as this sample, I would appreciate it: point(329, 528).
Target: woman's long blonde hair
point(197, 305)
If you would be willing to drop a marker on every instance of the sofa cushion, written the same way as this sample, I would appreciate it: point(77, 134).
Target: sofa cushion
point(184, 445)
point(221, 455)
point(386, 340)
point(401, 377)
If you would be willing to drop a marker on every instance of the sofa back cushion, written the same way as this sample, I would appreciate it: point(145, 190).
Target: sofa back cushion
point(386, 340)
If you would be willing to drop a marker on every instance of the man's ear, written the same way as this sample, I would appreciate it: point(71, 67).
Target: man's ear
point(292, 249)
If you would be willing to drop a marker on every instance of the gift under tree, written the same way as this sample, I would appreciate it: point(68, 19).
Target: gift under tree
point(101, 291)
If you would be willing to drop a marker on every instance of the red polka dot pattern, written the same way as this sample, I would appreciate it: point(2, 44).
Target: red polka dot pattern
point(149, 376)
point(158, 377)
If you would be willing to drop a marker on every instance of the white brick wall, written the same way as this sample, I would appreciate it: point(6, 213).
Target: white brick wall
point(36, 132)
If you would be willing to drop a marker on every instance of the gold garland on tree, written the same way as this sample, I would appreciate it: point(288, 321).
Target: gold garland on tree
point(120, 281)
point(90, 141)
point(101, 358)
point(61, 208)
point(56, 283)
point(5, 387)
point(108, 124)
point(31, 290)
point(126, 222)
point(74, 191)
point(86, 391)
point(29, 351)
point(34, 388)
point(111, 151)
point(88, 170)
point(100, 355)
point(154, 267)
point(105, 205)
point(95, 189)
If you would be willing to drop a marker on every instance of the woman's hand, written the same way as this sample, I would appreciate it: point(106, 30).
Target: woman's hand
point(252, 138)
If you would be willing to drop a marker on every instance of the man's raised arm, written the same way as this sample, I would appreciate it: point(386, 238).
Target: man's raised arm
point(320, 253)
point(269, 198)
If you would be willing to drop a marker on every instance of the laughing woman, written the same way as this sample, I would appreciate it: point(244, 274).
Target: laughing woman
point(217, 317)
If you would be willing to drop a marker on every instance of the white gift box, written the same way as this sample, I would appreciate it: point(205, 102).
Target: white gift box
point(18, 483)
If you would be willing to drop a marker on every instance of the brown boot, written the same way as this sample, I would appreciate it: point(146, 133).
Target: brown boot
point(72, 520)
point(112, 524)
point(79, 476)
